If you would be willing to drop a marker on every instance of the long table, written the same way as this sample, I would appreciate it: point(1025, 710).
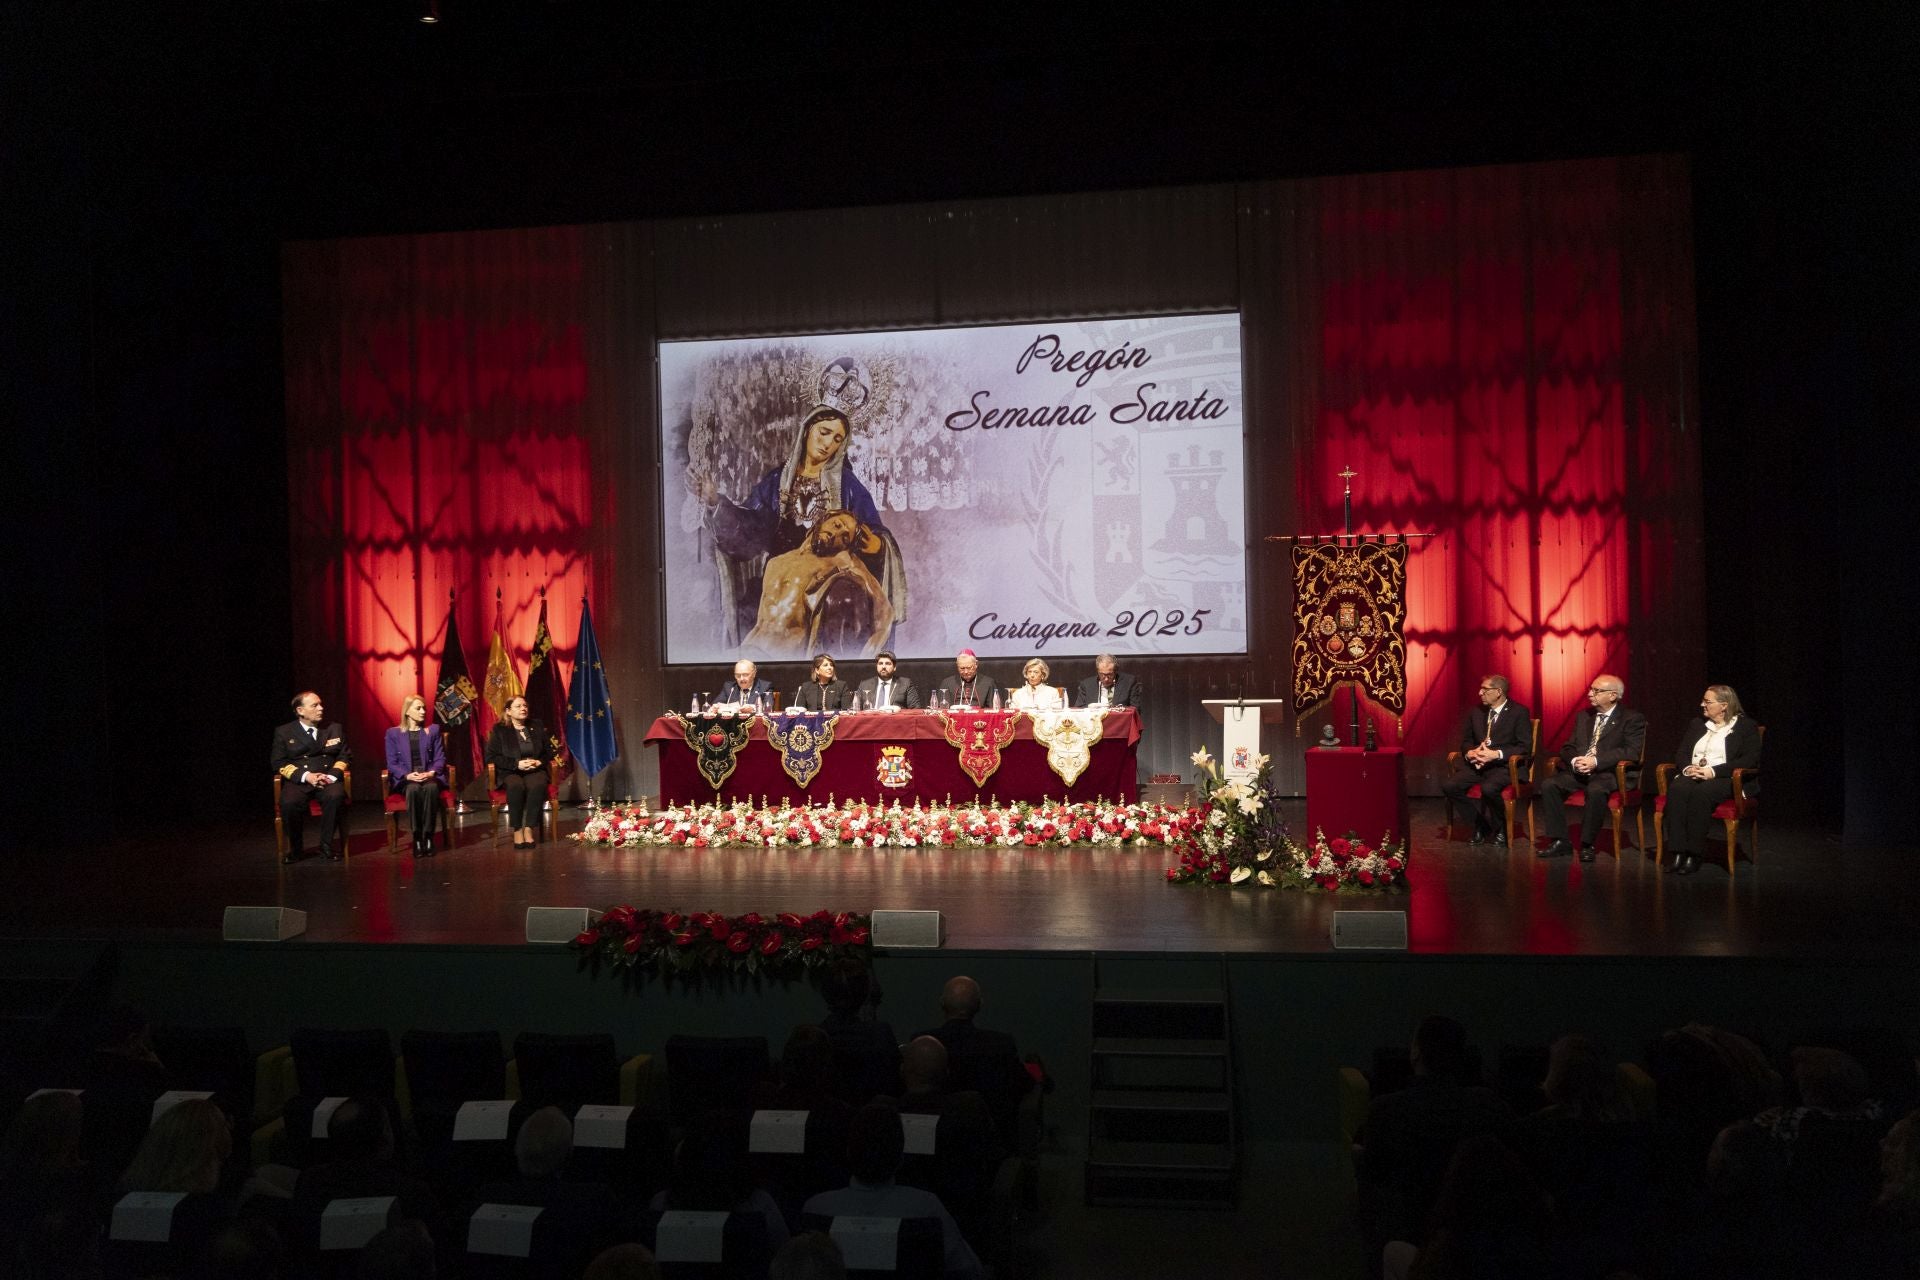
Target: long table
point(850, 767)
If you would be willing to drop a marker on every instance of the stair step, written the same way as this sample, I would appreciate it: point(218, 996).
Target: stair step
point(1166, 995)
point(1159, 1100)
point(1156, 1048)
point(1197, 1158)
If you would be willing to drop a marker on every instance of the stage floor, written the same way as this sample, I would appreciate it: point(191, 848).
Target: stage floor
point(1807, 898)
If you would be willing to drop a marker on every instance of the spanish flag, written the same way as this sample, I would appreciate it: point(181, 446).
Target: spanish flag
point(501, 682)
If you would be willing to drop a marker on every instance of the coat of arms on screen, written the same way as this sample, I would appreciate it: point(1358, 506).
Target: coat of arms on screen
point(894, 769)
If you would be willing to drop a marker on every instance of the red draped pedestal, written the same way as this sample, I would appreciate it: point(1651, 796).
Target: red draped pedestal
point(849, 769)
point(1364, 792)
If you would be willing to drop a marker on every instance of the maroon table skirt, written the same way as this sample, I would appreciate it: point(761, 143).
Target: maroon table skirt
point(850, 768)
point(1364, 792)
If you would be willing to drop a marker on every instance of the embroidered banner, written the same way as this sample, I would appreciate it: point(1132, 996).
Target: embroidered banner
point(716, 741)
point(801, 738)
point(1349, 605)
point(979, 735)
point(1068, 737)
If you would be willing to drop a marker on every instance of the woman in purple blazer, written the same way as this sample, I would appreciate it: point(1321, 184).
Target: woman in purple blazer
point(417, 765)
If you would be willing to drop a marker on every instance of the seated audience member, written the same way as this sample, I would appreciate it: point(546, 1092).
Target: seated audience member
point(875, 1145)
point(968, 686)
point(311, 756)
point(49, 1213)
point(1490, 1220)
point(925, 1081)
point(1108, 686)
point(1588, 1152)
point(1890, 1238)
point(1409, 1136)
point(823, 691)
point(981, 1060)
point(1710, 750)
point(811, 1255)
point(805, 1080)
point(1496, 729)
point(364, 1163)
point(1034, 693)
point(1704, 1079)
point(624, 1262)
point(404, 1251)
point(865, 1049)
point(886, 689)
point(968, 1146)
point(186, 1150)
point(1603, 736)
point(711, 1174)
point(746, 685)
point(120, 1079)
point(586, 1214)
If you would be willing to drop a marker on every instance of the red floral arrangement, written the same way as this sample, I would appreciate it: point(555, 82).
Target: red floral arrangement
point(670, 944)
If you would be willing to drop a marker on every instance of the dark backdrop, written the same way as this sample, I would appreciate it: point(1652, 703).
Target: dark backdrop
point(157, 159)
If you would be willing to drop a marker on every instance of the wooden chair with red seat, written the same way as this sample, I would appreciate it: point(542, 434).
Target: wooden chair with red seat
point(497, 804)
point(313, 810)
point(1619, 800)
point(395, 803)
point(1741, 807)
point(1521, 768)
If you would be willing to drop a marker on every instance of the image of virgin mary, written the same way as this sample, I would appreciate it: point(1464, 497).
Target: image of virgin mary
point(784, 592)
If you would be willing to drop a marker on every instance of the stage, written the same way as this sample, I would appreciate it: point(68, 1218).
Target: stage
point(1807, 898)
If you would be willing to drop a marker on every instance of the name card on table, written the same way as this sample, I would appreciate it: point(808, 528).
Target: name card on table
point(483, 1121)
point(323, 1114)
point(173, 1098)
point(600, 1125)
point(778, 1132)
point(349, 1224)
point(502, 1230)
point(685, 1236)
point(920, 1134)
point(868, 1244)
point(145, 1217)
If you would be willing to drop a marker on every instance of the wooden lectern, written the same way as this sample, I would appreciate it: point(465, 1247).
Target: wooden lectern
point(1241, 719)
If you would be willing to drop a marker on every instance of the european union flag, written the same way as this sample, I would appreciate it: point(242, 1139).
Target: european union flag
point(589, 704)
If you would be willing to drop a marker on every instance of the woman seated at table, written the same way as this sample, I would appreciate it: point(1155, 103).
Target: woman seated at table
point(1709, 753)
point(1036, 694)
point(517, 750)
point(822, 692)
point(417, 765)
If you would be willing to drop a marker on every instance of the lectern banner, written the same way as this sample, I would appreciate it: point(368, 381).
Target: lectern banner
point(1349, 611)
point(1059, 488)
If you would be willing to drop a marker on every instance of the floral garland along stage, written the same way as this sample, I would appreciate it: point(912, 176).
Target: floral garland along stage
point(641, 942)
point(860, 825)
point(1239, 839)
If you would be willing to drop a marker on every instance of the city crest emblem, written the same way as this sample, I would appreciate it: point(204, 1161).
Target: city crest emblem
point(894, 769)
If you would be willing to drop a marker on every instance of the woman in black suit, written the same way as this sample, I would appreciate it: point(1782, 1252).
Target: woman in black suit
point(823, 692)
point(517, 750)
point(1709, 753)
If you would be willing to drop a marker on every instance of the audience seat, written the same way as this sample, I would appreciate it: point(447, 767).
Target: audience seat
point(745, 1251)
point(919, 1247)
point(714, 1073)
point(216, 1059)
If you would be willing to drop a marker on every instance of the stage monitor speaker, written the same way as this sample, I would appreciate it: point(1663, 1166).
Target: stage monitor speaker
point(262, 924)
point(559, 924)
point(908, 929)
point(1369, 931)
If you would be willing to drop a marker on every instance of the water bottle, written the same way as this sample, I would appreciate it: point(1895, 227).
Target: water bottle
point(693, 708)
point(996, 700)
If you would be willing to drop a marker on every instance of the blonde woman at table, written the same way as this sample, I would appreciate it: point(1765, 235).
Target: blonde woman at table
point(1036, 694)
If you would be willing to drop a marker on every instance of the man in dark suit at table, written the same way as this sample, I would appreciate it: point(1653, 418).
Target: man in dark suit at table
point(1492, 731)
point(886, 689)
point(968, 685)
point(1603, 735)
point(823, 692)
point(1108, 686)
point(747, 684)
point(311, 758)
